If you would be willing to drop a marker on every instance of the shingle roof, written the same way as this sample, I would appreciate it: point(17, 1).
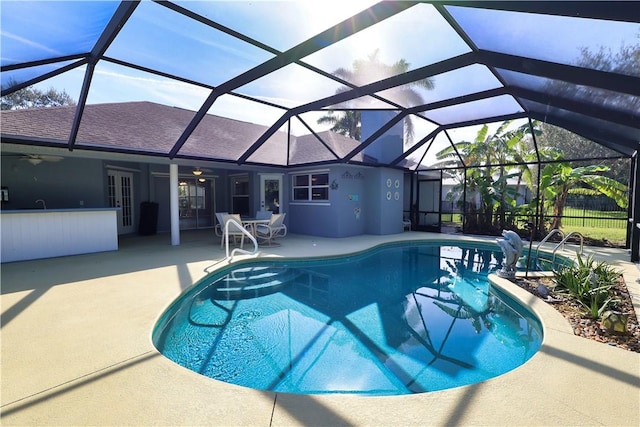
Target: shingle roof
point(147, 127)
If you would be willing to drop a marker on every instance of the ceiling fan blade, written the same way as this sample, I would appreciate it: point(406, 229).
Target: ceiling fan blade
point(48, 158)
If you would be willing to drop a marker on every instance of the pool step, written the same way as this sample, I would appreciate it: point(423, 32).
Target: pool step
point(254, 282)
point(214, 306)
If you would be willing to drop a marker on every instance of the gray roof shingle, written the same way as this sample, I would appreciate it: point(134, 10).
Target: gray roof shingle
point(154, 128)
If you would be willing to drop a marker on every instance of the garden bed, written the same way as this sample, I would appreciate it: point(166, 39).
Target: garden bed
point(583, 325)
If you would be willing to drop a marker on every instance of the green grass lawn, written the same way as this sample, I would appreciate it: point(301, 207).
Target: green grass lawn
point(609, 226)
point(617, 236)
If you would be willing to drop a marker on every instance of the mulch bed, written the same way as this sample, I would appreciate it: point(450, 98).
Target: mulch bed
point(583, 325)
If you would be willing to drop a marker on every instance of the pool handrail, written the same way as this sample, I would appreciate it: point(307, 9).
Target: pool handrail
point(245, 232)
point(564, 240)
point(547, 237)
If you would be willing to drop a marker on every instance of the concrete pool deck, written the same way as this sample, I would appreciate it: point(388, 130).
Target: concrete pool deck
point(76, 350)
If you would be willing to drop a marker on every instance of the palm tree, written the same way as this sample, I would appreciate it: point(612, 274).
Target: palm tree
point(365, 71)
point(347, 123)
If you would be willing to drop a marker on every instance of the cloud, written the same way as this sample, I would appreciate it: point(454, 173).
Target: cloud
point(26, 42)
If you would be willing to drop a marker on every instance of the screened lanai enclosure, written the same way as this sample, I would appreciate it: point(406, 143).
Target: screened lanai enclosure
point(520, 114)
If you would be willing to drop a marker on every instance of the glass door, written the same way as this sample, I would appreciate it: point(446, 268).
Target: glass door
point(195, 198)
point(271, 192)
point(120, 195)
point(240, 195)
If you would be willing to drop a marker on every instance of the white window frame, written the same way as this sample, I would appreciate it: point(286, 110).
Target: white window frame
point(309, 187)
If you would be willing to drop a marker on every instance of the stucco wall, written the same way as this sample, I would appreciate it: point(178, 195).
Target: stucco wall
point(384, 200)
point(342, 215)
point(357, 204)
point(67, 184)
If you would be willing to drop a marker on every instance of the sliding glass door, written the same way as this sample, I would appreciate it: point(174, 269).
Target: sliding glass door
point(195, 201)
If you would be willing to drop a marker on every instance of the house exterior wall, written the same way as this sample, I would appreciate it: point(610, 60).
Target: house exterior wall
point(71, 183)
point(67, 184)
point(358, 204)
point(349, 199)
point(318, 218)
point(161, 197)
point(384, 201)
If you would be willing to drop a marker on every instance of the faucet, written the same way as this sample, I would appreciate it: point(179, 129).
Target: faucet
point(44, 205)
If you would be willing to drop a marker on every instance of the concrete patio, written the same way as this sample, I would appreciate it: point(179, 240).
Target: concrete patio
point(77, 350)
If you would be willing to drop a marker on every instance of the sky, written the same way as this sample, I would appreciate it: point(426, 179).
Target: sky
point(157, 38)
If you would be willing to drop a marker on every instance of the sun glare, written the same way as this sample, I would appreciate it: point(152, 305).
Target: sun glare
point(325, 14)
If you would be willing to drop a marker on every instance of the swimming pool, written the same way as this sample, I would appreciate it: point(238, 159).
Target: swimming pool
point(397, 319)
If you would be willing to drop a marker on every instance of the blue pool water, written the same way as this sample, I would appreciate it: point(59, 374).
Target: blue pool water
point(397, 319)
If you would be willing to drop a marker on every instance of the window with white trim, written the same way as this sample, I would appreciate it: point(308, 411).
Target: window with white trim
point(311, 186)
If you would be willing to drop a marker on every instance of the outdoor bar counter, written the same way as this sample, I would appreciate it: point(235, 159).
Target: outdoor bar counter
point(47, 233)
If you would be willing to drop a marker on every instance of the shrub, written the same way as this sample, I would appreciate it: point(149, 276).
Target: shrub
point(589, 282)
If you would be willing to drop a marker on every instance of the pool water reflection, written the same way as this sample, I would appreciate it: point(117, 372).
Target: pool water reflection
point(397, 319)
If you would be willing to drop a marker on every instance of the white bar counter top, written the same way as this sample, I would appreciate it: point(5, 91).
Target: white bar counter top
point(46, 233)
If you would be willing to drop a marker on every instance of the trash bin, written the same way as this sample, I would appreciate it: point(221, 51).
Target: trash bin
point(148, 219)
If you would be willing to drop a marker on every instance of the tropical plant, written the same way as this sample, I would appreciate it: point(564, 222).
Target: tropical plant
point(365, 71)
point(486, 176)
point(623, 61)
point(589, 282)
point(560, 179)
point(578, 147)
point(346, 123)
point(482, 178)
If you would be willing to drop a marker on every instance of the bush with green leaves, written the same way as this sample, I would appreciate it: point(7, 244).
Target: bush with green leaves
point(589, 282)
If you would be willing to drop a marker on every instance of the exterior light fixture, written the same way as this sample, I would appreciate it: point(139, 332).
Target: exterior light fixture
point(196, 172)
point(202, 179)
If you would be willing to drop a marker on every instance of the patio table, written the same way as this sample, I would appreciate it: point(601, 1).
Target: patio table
point(252, 224)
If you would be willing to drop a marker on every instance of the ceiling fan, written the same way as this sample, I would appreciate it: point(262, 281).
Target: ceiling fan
point(197, 171)
point(36, 159)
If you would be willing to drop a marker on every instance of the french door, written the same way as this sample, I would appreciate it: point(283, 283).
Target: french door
point(271, 192)
point(120, 195)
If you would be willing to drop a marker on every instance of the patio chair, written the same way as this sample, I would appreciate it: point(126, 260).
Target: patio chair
point(234, 231)
point(274, 229)
point(219, 228)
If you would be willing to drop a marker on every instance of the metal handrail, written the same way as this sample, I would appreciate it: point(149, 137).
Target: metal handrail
point(245, 232)
point(573, 233)
point(547, 237)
